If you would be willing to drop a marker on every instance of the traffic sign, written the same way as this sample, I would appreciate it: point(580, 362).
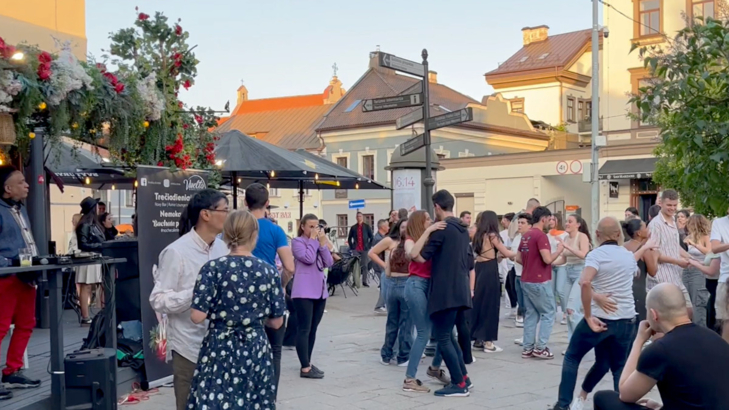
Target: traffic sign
point(357, 204)
point(413, 144)
point(408, 119)
point(401, 64)
point(388, 103)
point(451, 118)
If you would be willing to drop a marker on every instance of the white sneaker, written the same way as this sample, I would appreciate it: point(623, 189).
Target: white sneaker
point(494, 349)
point(519, 322)
point(519, 341)
point(403, 364)
point(578, 404)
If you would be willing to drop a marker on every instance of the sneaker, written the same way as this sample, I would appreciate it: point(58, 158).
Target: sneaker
point(18, 380)
point(519, 322)
point(316, 369)
point(492, 349)
point(473, 360)
point(477, 345)
point(453, 390)
point(415, 386)
point(469, 385)
point(385, 362)
point(563, 321)
point(519, 341)
point(5, 394)
point(311, 374)
point(578, 404)
point(557, 407)
point(439, 375)
point(381, 311)
point(403, 364)
point(527, 354)
point(543, 354)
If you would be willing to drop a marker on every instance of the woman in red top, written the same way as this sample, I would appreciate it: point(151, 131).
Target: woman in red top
point(417, 290)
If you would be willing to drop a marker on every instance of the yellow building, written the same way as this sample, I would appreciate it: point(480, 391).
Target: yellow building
point(49, 24)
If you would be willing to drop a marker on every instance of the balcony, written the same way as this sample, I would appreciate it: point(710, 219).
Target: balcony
point(585, 126)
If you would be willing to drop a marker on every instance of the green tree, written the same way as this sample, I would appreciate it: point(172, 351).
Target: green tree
point(688, 99)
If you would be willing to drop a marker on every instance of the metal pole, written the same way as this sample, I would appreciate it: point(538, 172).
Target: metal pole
point(429, 181)
point(58, 378)
point(594, 164)
point(37, 194)
point(234, 182)
point(301, 200)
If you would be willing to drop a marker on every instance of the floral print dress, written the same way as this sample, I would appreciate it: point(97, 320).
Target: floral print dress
point(235, 368)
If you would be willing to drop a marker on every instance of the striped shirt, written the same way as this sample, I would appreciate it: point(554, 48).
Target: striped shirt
point(25, 230)
point(666, 234)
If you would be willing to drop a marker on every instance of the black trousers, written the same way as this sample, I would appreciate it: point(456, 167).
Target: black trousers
point(443, 323)
point(291, 326)
point(308, 316)
point(275, 338)
point(610, 400)
point(463, 328)
point(511, 287)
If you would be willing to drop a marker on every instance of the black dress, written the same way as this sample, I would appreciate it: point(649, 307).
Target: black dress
point(486, 297)
point(235, 368)
point(639, 290)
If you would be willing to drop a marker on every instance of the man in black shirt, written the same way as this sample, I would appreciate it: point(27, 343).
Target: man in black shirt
point(689, 363)
point(450, 296)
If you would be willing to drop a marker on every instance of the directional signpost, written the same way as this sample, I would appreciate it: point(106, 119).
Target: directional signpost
point(409, 119)
point(451, 118)
point(389, 103)
point(413, 144)
point(401, 64)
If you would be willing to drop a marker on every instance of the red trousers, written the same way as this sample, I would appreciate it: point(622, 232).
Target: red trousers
point(17, 306)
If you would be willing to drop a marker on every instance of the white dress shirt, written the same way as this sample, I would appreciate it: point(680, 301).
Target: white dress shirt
point(174, 281)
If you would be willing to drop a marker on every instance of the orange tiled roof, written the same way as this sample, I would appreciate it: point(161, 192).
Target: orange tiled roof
point(279, 103)
point(553, 53)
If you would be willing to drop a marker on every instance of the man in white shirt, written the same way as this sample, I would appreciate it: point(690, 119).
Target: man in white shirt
point(524, 224)
point(609, 270)
point(720, 246)
point(506, 265)
point(174, 281)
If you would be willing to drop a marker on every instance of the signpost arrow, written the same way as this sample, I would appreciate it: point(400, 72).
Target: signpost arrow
point(389, 103)
point(413, 144)
point(408, 119)
point(401, 64)
point(451, 118)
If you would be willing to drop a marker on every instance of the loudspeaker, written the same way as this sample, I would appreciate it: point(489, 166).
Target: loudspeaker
point(91, 379)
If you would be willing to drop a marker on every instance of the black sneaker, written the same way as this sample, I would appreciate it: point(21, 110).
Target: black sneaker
point(5, 394)
point(557, 407)
point(469, 385)
point(18, 380)
point(478, 345)
point(316, 369)
point(311, 374)
point(453, 390)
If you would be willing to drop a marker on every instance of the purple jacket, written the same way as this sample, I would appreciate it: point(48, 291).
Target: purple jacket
point(311, 259)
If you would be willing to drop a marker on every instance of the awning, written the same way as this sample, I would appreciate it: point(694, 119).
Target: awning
point(628, 169)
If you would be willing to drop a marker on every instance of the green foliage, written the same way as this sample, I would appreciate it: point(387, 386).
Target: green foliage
point(688, 99)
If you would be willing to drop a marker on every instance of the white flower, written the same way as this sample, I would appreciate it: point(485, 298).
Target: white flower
point(252, 288)
point(262, 288)
point(246, 322)
point(234, 278)
point(233, 264)
point(154, 102)
point(248, 264)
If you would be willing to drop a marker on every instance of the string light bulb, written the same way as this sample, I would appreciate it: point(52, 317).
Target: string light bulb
point(17, 56)
point(136, 184)
point(273, 173)
point(42, 105)
point(239, 180)
point(316, 176)
point(356, 186)
point(113, 187)
point(88, 180)
point(338, 184)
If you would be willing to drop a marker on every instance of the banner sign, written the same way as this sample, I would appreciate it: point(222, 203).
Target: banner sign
point(161, 197)
point(407, 189)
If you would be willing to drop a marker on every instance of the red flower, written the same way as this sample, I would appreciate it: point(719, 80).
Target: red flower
point(187, 84)
point(44, 57)
point(159, 164)
point(178, 63)
point(2, 43)
point(199, 119)
point(119, 88)
point(179, 104)
point(177, 56)
point(143, 16)
point(44, 73)
point(101, 67)
point(185, 126)
point(178, 29)
point(7, 51)
point(112, 78)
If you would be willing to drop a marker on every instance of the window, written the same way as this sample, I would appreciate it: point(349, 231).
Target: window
point(128, 199)
point(644, 82)
point(368, 166)
point(649, 17)
point(353, 106)
point(543, 56)
point(580, 110)
point(571, 109)
point(342, 225)
point(588, 110)
point(369, 219)
point(639, 77)
point(273, 192)
point(343, 162)
point(702, 8)
point(517, 105)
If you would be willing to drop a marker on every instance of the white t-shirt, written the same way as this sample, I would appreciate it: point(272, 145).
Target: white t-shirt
point(720, 232)
point(518, 268)
point(615, 267)
point(507, 242)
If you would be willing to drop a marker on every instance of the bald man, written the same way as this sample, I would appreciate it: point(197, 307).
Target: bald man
point(531, 205)
point(689, 363)
point(607, 328)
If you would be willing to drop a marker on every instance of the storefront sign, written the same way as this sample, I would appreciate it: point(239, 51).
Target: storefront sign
point(280, 215)
point(407, 187)
point(628, 175)
point(614, 189)
point(162, 195)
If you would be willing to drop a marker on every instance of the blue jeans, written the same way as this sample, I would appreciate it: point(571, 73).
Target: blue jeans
point(416, 297)
point(399, 327)
point(539, 304)
point(559, 276)
point(519, 297)
point(384, 286)
point(611, 351)
point(574, 299)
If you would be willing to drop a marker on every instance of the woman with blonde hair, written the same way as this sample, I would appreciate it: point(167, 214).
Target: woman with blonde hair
point(240, 294)
point(698, 246)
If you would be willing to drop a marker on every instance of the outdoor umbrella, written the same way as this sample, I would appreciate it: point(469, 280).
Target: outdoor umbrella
point(246, 160)
point(67, 164)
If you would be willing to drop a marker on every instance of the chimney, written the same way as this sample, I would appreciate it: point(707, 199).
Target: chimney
point(535, 34)
point(433, 77)
point(242, 94)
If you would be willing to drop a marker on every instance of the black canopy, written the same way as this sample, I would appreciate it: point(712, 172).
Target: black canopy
point(67, 164)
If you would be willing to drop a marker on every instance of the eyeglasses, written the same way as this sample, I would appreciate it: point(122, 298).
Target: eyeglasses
point(219, 210)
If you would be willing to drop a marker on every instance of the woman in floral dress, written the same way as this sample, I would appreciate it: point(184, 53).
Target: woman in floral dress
point(239, 294)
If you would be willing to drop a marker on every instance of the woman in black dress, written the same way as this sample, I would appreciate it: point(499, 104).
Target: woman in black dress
point(240, 294)
point(485, 284)
point(638, 234)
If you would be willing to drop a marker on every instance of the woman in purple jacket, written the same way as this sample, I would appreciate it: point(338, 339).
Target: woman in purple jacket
point(309, 290)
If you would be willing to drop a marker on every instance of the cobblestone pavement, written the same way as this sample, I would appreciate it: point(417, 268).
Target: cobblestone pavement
point(347, 349)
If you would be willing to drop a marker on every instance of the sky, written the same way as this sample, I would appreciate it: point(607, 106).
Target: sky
point(287, 47)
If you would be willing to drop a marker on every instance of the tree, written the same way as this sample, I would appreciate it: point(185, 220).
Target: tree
point(688, 99)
